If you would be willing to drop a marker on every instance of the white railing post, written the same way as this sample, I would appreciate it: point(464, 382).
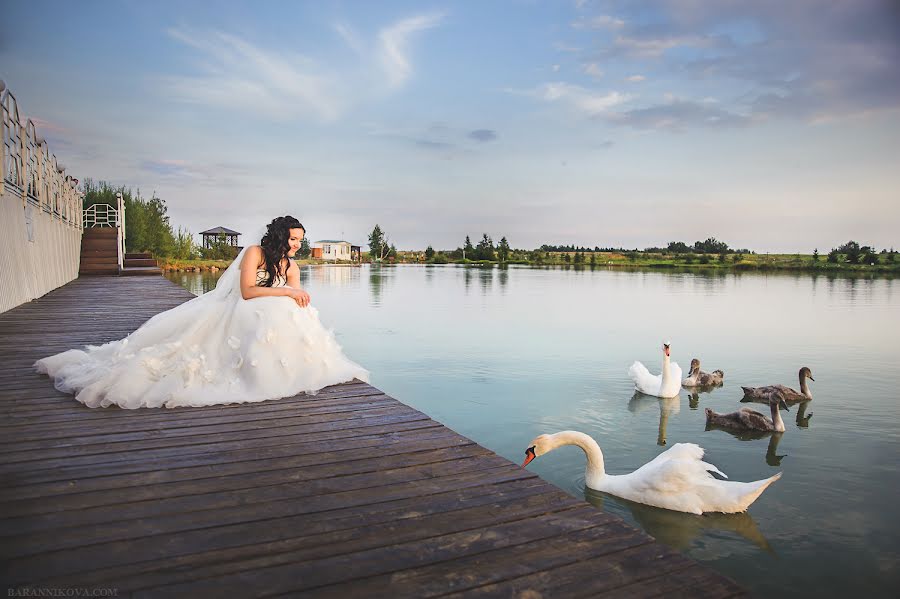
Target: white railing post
point(121, 228)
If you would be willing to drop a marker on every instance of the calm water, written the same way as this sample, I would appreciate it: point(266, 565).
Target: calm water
point(504, 355)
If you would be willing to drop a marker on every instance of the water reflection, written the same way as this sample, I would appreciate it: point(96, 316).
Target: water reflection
point(679, 530)
point(772, 458)
point(197, 283)
point(486, 278)
point(378, 277)
point(503, 277)
point(667, 407)
point(333, 275)
point(802, 418)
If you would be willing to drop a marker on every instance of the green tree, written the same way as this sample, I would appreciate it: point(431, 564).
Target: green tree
point(852, 251)
point(485, 249)
point(833, 256)
point(304, 250)
point(184, 245)
point(379, 247)
point(593, 259)
point(503, 250)
point(711, 246)
point(678, 247)
point(468, 249)
point(429, 253)
point(816, 255)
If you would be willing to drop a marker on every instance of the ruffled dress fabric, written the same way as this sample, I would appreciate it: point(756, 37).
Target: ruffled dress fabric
point(217, 348)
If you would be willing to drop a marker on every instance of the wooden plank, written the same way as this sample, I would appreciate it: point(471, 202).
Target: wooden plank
point(309, 573)
point(168, 515)
point(242, 476)
point(295, 452)
point(163, 558)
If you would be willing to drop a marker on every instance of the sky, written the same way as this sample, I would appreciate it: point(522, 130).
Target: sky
point(770, 125)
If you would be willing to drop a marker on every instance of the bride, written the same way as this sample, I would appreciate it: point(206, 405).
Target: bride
point(254, 337)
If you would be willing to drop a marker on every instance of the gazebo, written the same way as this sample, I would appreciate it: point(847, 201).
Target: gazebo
point(209, 237)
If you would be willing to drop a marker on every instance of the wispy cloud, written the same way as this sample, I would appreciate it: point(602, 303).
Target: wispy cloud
point(351, 38)
point(393, 46)
point(581, 99)
point(594, 70)
point(233, 72)
point(635, 78)
point(600, 22)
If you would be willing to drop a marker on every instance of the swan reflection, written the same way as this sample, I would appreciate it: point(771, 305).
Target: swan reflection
point(802, 418)
point(667, 407)
point(677, 529)
point(772, 457)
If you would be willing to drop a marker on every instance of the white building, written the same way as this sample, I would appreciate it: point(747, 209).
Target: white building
point(335, 250)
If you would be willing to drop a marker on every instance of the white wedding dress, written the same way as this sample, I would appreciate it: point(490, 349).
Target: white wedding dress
point(217, 348)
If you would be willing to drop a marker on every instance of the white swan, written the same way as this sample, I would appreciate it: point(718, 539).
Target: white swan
point(677, 479)
point(668, 384)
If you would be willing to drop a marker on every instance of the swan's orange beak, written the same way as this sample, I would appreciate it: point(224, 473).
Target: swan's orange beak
point(529, 455)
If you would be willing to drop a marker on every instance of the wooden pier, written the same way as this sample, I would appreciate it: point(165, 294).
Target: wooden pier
point(347, 493)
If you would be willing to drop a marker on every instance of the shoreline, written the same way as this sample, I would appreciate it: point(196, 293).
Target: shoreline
point(847, 270)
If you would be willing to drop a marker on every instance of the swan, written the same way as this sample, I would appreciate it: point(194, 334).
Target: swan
point(747, 419)
point(677, 479)
point(698, 378)
point(764, 394)
point(668, 384)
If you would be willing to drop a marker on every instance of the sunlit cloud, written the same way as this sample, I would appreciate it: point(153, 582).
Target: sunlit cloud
point(234, 73)
point(393, 46)
point(581, 99)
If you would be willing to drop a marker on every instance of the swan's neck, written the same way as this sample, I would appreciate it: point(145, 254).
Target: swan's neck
point(776, 418)
point(665, 368)
point(595, 468)
point(804, 388)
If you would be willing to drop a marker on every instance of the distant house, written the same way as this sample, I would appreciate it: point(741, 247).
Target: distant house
point(336, 250)
point(212, 235)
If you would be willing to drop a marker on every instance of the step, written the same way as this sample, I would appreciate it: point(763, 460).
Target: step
point(99, 254)
point(99, 271)
point(101, 232)
point(99, 244)
point(99, 259)
point(138, 255)
point(140, 271)
point(139, 262)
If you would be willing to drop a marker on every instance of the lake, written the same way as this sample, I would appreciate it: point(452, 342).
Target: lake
point(502, 355)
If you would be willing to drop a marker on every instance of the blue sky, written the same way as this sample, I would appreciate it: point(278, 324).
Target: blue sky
point(770, 125)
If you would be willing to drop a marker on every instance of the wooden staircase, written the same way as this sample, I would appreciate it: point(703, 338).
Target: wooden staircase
point(100, 256)
point(99, 251)
point(137, 264)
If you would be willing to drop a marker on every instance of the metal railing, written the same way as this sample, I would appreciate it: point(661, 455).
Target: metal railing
point(28, 169)
point(100, 215)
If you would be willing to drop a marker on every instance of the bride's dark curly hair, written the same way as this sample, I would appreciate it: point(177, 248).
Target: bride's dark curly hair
point(275, 246)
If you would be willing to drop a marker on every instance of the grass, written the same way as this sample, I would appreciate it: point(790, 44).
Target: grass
point(640, 260)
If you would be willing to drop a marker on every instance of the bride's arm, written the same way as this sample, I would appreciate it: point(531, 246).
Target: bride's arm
point(249, 288)
point(293, 280)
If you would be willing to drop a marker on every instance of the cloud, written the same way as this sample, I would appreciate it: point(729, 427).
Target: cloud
point(350, 38)
point(635, 78)
point(677, 115)
point(393, 46)
point(601, 22)
point(583, 100)
point(483, 135)
point(234, 73)
point(593, 69)
point(768, 59)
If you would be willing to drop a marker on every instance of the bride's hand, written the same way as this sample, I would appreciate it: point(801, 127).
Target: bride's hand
point(301, 297)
